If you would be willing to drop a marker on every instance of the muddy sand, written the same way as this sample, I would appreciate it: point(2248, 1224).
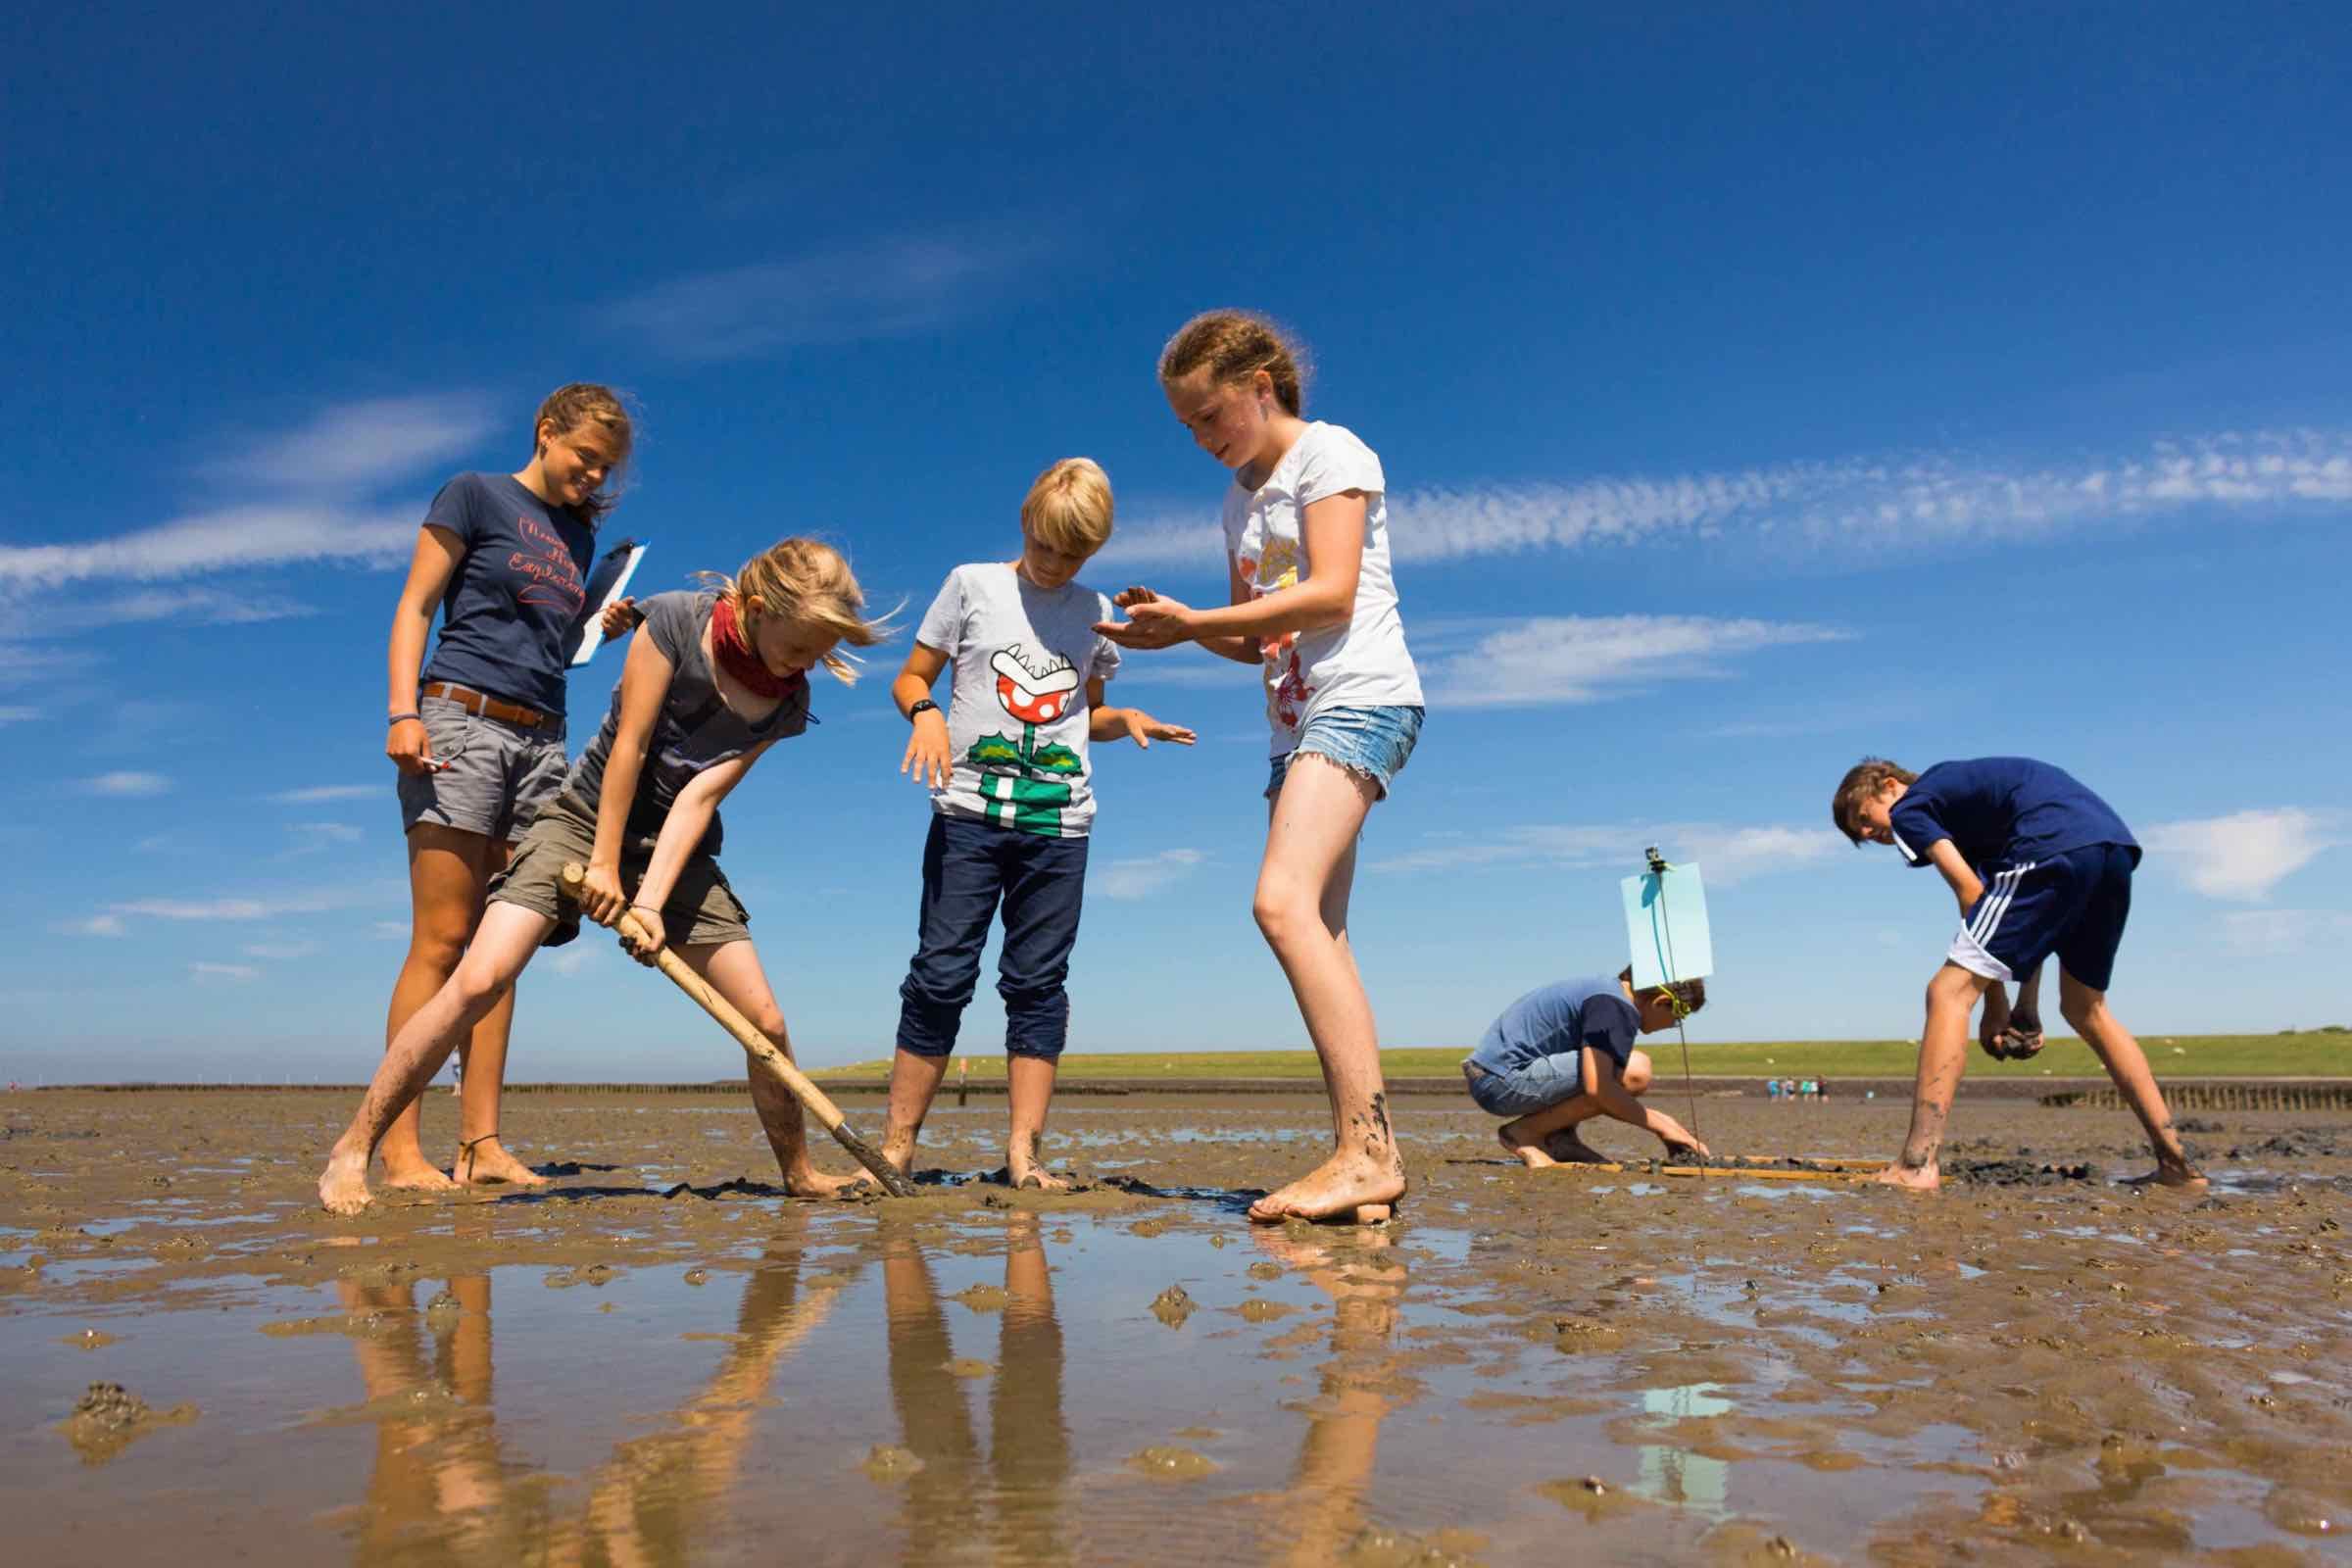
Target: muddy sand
point(661, 1358)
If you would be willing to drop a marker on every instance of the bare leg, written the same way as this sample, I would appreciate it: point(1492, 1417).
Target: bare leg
point(734, 972)
point(447, 871)
point(503, 943)
point(481, 1158)
point(913, 1082)
point(1030, 1087)
point(1942, 1057)
point(2086, 1011)
point(1302, 906)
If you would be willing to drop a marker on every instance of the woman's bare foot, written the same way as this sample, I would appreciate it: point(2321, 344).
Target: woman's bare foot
point(1346, 1187)
point(1911, 1177)
point(416, 1176)
point(810, 1182)
point(343, 1185)
point(485, 1163)
point(2166, 1174)
point(1034, 1176)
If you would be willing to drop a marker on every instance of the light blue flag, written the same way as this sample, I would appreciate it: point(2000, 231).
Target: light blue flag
point(1666, 924)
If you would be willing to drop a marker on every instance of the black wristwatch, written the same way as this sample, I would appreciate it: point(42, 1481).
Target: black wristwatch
point(926, 705)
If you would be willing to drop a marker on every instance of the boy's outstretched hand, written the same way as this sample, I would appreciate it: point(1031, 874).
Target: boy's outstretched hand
point(1154, 620)
point(928, 759)
point(1132, 723)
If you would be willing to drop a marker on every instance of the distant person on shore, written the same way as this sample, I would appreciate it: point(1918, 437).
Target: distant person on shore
point(1565, 1053)
point(714, 680)
point(1312, 605)
point(1012, 803)
point(2061, 863)
point(478, 736)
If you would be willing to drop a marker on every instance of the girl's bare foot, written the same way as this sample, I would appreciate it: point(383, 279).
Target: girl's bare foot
point(343, 1185)
point(417, 1177)
point(1347, 1186)
point(1035, 1177)
point(2186, 1177)
point(485, 1163)
point(1911, 1177)
point(810, 1182)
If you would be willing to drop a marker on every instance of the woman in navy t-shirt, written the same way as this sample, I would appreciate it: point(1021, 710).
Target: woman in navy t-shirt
point(478, 735)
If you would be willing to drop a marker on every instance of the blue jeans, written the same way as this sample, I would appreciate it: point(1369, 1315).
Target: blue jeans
point(1372, 742)
point(968, 866)
point(1515, 1092)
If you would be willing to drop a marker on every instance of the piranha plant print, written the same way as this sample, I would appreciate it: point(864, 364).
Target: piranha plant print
point(1023, 784)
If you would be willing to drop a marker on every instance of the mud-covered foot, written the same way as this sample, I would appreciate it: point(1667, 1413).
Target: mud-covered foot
point(2167, 1174)
point(343, 1185)
point(810, 1182)
point(416, 1176)
point(1345, 1187)
point(1035, 1177)
point(486, 1163)
point(1911, 1177)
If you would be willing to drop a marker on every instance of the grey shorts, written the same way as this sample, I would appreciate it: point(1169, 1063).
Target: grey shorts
point(701, 912)
point(496, 775)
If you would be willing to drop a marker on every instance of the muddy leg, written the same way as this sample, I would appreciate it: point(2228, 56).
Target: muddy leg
point(913, 1082)
point(1031, 1090)
point(2085, 1010)
point(1942, 1057)
point(734, 972)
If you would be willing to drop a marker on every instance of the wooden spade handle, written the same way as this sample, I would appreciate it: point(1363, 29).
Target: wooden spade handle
point(757, 1046)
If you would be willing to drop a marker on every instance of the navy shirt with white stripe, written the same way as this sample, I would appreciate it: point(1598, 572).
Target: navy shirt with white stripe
point(2003, 811)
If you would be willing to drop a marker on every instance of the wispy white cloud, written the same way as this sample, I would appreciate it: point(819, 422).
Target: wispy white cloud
point(18, 715)
point(203, 606)
point(318, 835)
point(127, 785)
point(389, 930)
point(884, 289)
point(241, 973)
point(317, 793)
point(1881, 504)
point(227, 909)
point(574, 957)
point(280, 951)
point(2284, 933)
point(1584, 659)
point(358, 445)
point(1144, 876)
point(19, 663)
point(97, 925)
point(264, 534)
point(1726, 853)
point(2243, 855)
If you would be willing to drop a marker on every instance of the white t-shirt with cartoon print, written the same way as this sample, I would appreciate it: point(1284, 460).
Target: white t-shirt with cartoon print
point(1361, 665)
point(1017, 723)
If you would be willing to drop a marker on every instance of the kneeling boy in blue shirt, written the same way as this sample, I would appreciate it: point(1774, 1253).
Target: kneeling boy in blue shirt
point(1565, 1053)
point(2057, 879)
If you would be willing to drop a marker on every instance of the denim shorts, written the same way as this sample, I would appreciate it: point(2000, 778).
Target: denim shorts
point(1520, 1091)
point(494, 775)
point(1371, 742)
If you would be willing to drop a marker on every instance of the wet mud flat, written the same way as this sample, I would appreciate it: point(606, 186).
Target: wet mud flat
point(662, 1358)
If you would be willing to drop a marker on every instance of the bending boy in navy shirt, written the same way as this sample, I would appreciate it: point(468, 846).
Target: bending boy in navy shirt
point(1565, 1053)
point(2057, 879)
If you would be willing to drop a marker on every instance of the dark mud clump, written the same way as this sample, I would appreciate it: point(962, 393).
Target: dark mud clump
point(2018, 1173)
point(109, 1417)
point(2300, 1143)
point(1173, 1306)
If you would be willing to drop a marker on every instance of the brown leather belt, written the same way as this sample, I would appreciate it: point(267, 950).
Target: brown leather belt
point(483, 707)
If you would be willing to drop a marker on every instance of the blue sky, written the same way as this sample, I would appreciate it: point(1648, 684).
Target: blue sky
point(1926, 381)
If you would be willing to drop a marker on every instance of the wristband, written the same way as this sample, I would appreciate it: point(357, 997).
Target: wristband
point(926, 705)
point(397, 717)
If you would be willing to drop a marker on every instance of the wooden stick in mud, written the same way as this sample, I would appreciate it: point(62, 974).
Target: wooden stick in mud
point(759, 1047)
point(1825, 1172)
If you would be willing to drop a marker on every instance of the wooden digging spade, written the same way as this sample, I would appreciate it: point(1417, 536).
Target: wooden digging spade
point(759, 1047)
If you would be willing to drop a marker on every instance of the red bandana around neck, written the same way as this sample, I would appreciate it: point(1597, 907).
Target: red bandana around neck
point(736, 658)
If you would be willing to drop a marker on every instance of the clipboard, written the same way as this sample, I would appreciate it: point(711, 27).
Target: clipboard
point(609, 581)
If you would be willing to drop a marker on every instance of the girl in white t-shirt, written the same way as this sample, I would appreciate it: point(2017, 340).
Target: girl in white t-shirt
point(1312, 603)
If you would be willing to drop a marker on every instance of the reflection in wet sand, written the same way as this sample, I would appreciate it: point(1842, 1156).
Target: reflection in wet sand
point(1028, 1466)
point(1322, 1509)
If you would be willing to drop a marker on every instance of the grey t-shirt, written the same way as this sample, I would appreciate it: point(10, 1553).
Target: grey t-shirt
point(694, 731)
point(518, 593)
point(1017, 726)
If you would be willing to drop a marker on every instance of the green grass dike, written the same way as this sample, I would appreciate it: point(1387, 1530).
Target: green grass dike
point(2309, 1054)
